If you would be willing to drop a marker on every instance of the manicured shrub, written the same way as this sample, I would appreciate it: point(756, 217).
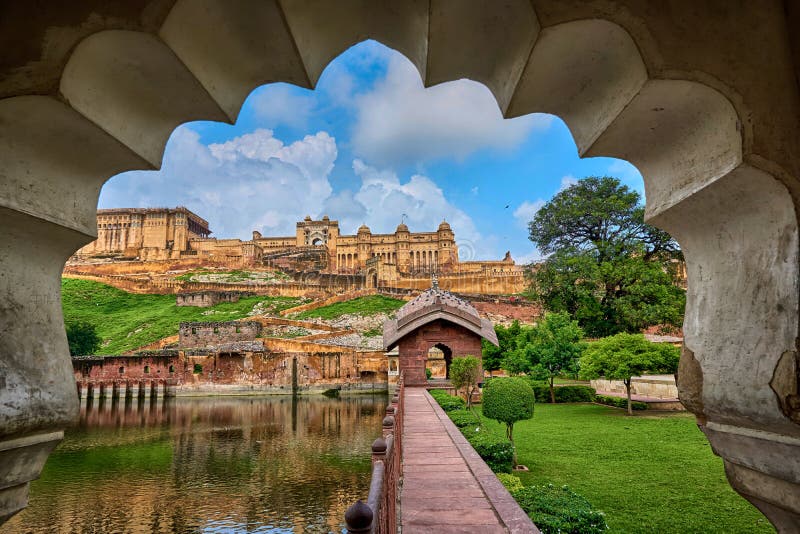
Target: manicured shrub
point(497, 452)
point(447, 402)
point(564, 393)
point(511, 482)
point(464, 418)
point(560, 510)
point(508, 400)
point(619, 402)
point(428, 373)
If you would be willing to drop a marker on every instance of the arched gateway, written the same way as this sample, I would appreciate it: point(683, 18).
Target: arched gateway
point(436, 318)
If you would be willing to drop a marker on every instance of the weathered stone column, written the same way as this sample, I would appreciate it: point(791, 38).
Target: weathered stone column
point(48, 197)
point(739, 369)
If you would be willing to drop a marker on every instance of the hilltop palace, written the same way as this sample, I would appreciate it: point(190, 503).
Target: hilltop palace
point(152, 234)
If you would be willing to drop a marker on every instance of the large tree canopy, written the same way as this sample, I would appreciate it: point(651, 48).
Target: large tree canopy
point(601, 217)
point(607, 268)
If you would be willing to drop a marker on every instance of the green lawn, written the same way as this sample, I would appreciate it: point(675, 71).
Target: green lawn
point(126, 320)
point(648, 473)
point(370, 305)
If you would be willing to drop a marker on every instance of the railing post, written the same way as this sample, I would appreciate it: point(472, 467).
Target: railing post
point(388, 425)
point(358, 518)
point(378, 450)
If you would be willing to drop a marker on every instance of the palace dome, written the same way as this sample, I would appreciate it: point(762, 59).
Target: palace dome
point(363, 228)
point(401, 228)
point(444, 226)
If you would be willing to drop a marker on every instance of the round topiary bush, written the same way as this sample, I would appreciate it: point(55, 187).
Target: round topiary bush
point(508, 400)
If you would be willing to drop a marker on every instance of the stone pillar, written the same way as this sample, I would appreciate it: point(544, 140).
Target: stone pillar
point(170, 387)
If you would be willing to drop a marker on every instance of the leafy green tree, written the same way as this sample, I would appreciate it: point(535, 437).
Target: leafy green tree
point(517, 362)
point(465, 374)
point(556, 347)
point(507, 338)
point(508, 400)
point(624, 356)
point(82, 338)
point(607, 268)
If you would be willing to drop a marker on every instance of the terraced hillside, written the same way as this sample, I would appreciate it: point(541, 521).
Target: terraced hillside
point(126, 321)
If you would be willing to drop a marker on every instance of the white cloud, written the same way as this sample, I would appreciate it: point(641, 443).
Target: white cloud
point(279, 104)
point(567, 181)
point(525, 211)
point(251, 182)
point(474, 190)
point(400, 122)
point(383, 199)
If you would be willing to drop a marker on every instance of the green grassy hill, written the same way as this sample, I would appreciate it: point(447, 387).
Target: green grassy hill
point(370, 305)
point(125, 321)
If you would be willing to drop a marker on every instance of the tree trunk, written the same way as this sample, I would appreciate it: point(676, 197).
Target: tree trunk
point(552, 390)
point(628, 388)
point(510, 436)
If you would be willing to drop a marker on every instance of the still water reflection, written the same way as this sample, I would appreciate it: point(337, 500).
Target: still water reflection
point(246, 464)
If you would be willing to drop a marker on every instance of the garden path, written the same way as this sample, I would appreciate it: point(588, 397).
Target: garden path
point(447, 488)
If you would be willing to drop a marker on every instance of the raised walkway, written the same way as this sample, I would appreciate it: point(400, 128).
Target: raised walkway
point(447, 488)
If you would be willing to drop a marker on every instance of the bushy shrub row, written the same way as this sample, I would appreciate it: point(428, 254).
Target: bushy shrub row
point(464, 418)
point(564, 393)
point(560, 510)
point(620, 402)
point(447, 402)
point(497, 452)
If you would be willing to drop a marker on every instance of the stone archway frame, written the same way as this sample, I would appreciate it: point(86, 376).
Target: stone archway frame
point(122, 93)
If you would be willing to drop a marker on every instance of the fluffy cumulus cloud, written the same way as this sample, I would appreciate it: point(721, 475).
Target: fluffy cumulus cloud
point(279, 104)
point(400, 122)
point(251, 182)
point(383, 199)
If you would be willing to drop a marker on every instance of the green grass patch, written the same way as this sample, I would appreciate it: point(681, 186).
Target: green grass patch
point(231, 276)
point(370, 305)
point(648, 473)
point(125, 321)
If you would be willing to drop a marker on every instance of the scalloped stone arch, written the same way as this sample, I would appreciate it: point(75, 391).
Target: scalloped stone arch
point(123, 92)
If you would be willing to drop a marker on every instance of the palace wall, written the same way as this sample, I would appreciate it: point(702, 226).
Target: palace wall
point(201, 334)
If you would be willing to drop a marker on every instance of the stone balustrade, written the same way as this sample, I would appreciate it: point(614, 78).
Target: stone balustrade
point(379, 514)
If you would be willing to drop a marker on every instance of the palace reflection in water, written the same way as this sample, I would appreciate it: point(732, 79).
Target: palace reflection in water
point(219, 464)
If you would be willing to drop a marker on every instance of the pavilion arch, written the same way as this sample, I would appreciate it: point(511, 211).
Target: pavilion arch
point(715, 141)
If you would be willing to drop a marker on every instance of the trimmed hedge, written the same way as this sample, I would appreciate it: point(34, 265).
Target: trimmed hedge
point(464, 418)
point(560, 510)
point(498, 453)
point(620, 402)
point(564, 393)
point(447, 402)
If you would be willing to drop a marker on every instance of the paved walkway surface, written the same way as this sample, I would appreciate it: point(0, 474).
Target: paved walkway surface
point(441, 491)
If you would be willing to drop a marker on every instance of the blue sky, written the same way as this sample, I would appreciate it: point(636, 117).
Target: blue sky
point(368, 145)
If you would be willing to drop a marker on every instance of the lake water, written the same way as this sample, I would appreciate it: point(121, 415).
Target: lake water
point(215, 464)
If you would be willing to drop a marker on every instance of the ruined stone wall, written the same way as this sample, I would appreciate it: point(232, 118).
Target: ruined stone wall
point(524, 312)
point(413, 349)
point(199, 371)
point(507, 283)
point(205, 299)
point(156, 365)
point(203, 334)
